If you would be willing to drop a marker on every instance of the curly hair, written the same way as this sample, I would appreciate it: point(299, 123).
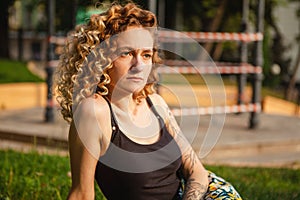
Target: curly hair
point(84, 64)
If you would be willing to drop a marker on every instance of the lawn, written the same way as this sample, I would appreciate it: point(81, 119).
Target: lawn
point(15, 71)
point(35, 176)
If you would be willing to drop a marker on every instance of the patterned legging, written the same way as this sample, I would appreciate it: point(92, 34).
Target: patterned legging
point(218, 189)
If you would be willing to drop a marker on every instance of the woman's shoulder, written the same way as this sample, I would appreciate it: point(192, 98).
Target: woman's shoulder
point(90, 125)
point(91, 110)
point(93, 106)
point(92, 116)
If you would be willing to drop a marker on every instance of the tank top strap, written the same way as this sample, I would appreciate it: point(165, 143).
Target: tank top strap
point(114, 124)
point(152, 107)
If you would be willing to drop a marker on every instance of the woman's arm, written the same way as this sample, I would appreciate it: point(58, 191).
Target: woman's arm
point(195, 174)
point(83, 165)
point(84, 147)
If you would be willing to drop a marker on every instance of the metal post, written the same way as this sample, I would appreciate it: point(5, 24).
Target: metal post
point(20, 44)
point(298, 101)
point(242, 78)
point(49, 115)
point(161, 12)
point(74, 12)
point(152, 4)
point(258, 61)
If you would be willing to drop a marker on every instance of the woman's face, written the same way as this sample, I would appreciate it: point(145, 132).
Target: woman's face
point(132, 61)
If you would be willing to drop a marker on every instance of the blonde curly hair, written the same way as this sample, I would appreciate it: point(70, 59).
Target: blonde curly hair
point(84, 64)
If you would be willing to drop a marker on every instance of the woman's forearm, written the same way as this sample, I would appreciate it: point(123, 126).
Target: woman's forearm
point(196, 177)
point(194, 189)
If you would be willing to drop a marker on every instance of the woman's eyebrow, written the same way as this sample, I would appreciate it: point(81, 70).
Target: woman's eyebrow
point(128, 48)
point(120, 50)
point(147, 49)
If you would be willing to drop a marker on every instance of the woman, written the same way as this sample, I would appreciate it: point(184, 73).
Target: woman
point(122, 133)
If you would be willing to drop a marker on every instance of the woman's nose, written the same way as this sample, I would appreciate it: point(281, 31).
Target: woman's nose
point(137, 63)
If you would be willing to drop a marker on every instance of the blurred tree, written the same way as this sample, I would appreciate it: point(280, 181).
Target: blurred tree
point(80, 11)
point(215, 16)
point(225, 16)
point(205, 15)
point(292, 80)
point(274, 41)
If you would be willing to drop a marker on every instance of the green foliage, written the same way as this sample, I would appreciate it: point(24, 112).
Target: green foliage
point(203, 15)
point(15, 71)
point(270, 80)
point(84, 14)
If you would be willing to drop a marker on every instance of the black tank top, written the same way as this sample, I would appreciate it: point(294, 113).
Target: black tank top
point(133, 171)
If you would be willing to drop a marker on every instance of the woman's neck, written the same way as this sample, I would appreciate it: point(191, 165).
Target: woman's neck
point(126, 103)
point(136, 120)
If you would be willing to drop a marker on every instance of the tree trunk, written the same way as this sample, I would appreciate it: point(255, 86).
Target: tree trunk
point(218, 51)
point(215, 25)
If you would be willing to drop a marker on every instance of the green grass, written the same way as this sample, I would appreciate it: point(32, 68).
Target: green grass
point(262, 183)
point(35, 176)
point(15, 71)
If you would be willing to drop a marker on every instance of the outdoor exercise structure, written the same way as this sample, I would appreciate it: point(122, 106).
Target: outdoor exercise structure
point(242, 69)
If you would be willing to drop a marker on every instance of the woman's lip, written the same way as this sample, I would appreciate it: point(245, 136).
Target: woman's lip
point(135, 78)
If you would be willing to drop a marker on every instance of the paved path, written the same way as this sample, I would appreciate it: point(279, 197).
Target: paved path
point(275, 143)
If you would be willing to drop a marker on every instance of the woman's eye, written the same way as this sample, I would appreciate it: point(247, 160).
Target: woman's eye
point(147, 55)
point(125, 53)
